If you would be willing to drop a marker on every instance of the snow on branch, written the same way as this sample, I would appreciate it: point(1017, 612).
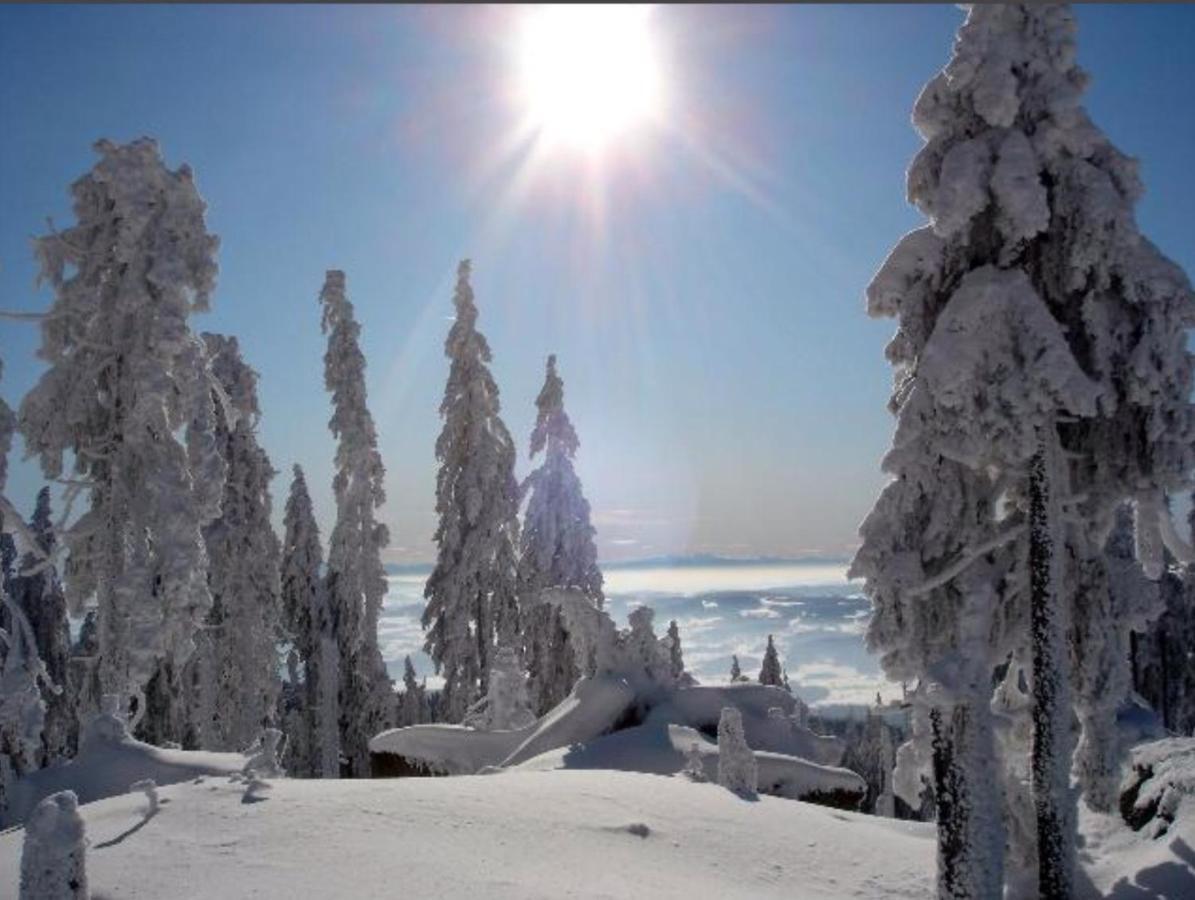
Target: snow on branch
point(957, 567)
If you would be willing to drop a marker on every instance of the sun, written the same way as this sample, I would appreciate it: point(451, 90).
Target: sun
point(588, 74)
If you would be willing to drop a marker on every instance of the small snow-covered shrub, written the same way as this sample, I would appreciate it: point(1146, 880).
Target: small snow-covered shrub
point(737, 770)
point(53, 863)
point(694, 767)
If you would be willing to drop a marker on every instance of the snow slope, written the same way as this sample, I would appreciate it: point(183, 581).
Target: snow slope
point(518, 834)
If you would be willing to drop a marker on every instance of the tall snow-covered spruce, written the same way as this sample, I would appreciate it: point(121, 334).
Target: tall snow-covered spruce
point(235, 669)
point(36, 590)
point(556, 549)
point(309, 622)
point(1042, 378)
point(471, 593)
point(125, 378)
point(356, 581)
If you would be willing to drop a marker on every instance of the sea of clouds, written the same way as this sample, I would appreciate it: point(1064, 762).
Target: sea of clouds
point(817, 618)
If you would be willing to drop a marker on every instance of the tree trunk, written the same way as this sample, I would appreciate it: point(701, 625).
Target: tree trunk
point(1051, 757)
point(970, 832)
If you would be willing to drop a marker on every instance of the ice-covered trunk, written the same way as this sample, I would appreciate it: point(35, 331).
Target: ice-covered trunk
point(326, 709)
point(970, 836)
point(1050, 755)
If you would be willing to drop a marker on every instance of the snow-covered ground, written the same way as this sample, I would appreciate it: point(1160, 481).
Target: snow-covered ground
point(543, 834)
point(515, 834)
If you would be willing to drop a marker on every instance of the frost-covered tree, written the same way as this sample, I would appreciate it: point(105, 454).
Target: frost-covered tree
point(675, 657)
point(737, 768)
point(1042, 378)
point(769, 671)
point(471, 593)
point(34, 587)
point(235, 671)
point(556, 548)
point(356, 581)
point(505, 706)
point(309, 622)
point(127, 398)
point(413, 708)
point(22, 710)
point(54, 855)
point(645, 658)
point(1163, 653)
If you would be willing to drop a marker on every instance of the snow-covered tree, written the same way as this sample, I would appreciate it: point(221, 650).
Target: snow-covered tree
point(556, 548)
point(737, 768)
point(505, 706)
point(413, 708)
point(125, 378)
point(54, 855)
point(675, 657)
point(1042, 378)
point(235, 671)
point(645, 659)
point(34, 587)
point(471, 593)
point(356, 581)
point(769, 671)
point(736, 671)
point(1163, 653)
point(309, 622)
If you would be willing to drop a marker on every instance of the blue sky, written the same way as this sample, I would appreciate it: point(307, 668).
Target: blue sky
point(727, 387)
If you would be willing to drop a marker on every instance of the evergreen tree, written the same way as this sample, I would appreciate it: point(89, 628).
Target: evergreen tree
point(235, 671)
point(736, 672)
point(505, 706)
point(769, 671)
point(1042, 379)
point(471, 593)
point(413, 710)
point(308, 619)
point(125, 377)
point(677, 667)
point(34, 587)
point(356, 581)
point(556, 549)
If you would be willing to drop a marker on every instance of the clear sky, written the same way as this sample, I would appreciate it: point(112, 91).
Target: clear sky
point(702, 285)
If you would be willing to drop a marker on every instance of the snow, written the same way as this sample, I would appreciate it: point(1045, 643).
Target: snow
point(522, 834)
point(110, 763)
point(662, 749)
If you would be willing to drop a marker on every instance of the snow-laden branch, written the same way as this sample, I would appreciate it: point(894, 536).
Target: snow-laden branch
point(960, 565)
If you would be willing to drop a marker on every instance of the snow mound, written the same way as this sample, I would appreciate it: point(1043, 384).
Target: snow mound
point(109, 763)
point(663, 749)
point(701, 706)
point(590, 834)
point(596, 707)
point(593, 708)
